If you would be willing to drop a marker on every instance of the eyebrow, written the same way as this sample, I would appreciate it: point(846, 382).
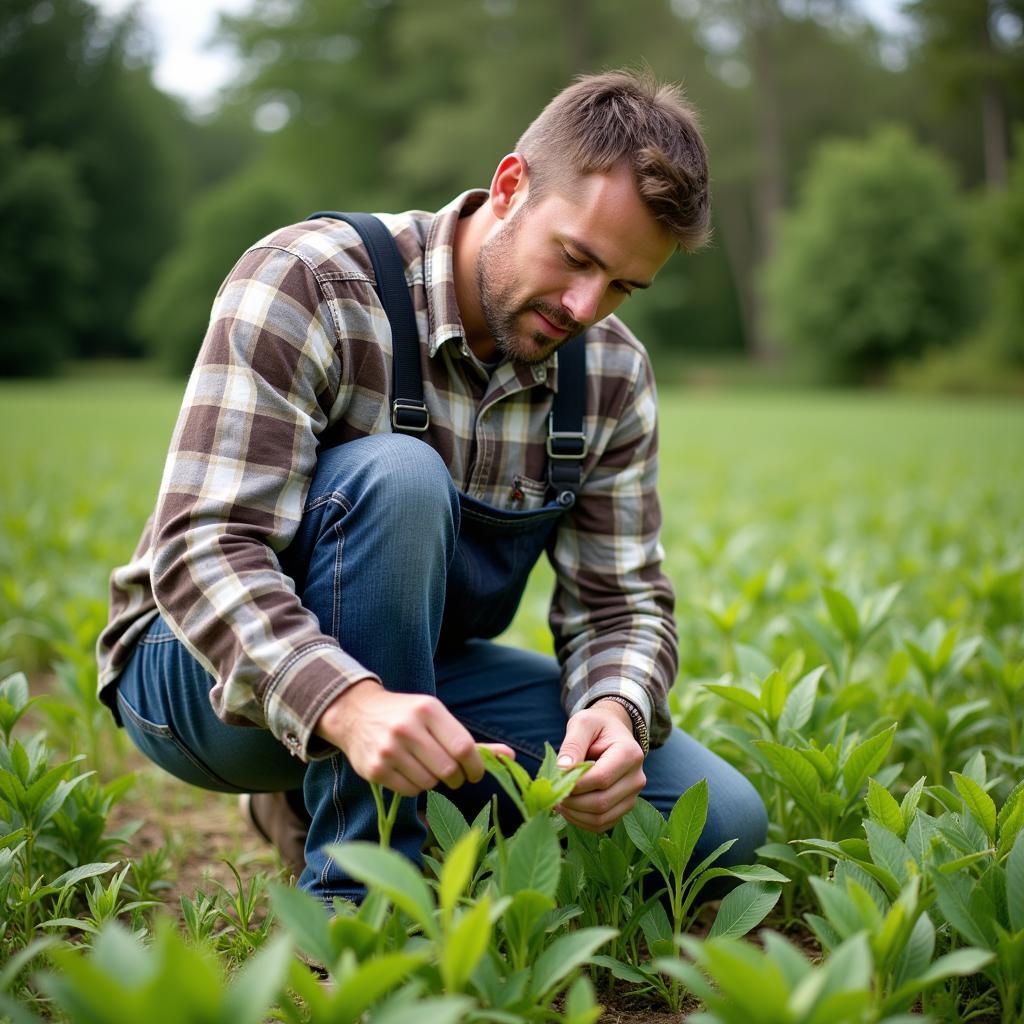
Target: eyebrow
point(585, 250)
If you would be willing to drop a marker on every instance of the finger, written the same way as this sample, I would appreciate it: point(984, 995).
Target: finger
point(437, 762)
point(458, 747)
point(398, 783)
point(620, 761)
point(599, 822)
point(599, 801)
point(579, 734)
point(500, 748)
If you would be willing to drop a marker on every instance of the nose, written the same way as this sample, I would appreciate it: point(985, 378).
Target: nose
point(582, 299)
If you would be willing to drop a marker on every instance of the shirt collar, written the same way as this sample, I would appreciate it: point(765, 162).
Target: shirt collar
point(443, 319)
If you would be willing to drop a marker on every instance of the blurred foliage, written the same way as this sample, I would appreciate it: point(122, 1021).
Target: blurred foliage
point(991, 357)
point(44, 218)
point(73, 82)
point(1002, 236)
point(972, 50)
point(370, 104)
point(872, 261)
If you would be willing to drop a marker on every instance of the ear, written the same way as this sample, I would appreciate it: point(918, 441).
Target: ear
point(509, 185)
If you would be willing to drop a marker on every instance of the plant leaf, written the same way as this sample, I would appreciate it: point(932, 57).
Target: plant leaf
point(799, 706)
point(259, 983)
point(686, 822)
point(534, 859)
point(954, 899)
point(1015, 884)
point(744, 908)
point(794, 772)
point(445, 820)
point(883, 808)
point(304, 917)
point(465, 944)
point(392, 874)
point(865, 759)
point(456, 872)
point(978, 803)
point(842, 613)
point(563, 956)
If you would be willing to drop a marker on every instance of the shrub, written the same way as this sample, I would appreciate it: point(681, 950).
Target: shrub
point(872, 262)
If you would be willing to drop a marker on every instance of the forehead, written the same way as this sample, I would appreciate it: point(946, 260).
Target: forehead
point(605, 212)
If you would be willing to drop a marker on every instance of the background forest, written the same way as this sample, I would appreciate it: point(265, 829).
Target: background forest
point(868, 188)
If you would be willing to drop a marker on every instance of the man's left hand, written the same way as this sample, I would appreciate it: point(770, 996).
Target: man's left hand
point(602, 733)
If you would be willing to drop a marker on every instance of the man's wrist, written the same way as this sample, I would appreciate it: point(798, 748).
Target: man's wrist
point(636, 719)
point(332, 718)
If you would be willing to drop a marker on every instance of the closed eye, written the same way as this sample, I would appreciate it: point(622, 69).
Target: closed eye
point(572, 261)
point(575, 264)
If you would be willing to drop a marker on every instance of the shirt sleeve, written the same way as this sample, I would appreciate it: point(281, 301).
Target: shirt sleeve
point(237, 474)
point(612, 611)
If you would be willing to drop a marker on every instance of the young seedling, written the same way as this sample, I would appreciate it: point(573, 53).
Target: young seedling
point(825, 784)
point(539, 795)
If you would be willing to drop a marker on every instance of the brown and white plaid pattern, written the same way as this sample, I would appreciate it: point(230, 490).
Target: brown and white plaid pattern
point(297, 356)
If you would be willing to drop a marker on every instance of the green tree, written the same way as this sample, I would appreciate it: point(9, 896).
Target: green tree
point(79, 84)
point(974, 51)
point(44, 220)
point(872, 262)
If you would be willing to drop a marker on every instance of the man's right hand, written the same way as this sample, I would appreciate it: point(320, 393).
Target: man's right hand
point(405, 741)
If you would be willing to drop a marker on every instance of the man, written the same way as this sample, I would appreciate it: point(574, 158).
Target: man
point(314, 571)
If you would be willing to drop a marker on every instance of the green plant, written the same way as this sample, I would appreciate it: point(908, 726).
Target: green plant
point(852, 624)
point(537, 795)
point(244, 911)
point(740, 984)
point(668, 845)
point(105, 904)
point(901, 935)
point(825, 783)
point(122, 980)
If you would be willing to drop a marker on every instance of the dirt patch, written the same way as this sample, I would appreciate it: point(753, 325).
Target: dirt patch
point(200, 832)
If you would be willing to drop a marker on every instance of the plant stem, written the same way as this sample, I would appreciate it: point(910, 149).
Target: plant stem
point(385, 818)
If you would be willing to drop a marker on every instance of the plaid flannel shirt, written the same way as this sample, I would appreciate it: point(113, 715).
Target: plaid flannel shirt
point(298, 357)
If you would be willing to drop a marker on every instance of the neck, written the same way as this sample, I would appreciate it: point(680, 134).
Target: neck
point(469, 236)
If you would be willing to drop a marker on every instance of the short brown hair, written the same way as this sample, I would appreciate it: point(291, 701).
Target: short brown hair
point(603, 119)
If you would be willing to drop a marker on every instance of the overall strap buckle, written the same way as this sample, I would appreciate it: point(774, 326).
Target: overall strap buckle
point(408, 410)
point(409, 416)
point(567, 444)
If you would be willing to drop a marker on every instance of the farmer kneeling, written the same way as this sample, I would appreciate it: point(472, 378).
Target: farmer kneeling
point(388, 421)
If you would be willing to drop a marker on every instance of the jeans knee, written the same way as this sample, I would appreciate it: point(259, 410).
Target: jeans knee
point(396, 476)
point(736, 811)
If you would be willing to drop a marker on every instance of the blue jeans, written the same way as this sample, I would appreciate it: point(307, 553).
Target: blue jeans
point(377, 549)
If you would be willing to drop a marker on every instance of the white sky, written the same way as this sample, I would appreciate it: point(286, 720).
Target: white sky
point(187, 67)
point(181, 30)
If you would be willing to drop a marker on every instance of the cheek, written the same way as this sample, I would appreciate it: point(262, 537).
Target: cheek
point(611, 302)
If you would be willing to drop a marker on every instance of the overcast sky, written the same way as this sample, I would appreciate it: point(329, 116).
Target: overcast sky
point(188, 68)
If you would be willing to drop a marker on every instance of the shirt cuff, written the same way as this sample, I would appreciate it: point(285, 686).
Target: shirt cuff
point(632, 691)
point(302, 690)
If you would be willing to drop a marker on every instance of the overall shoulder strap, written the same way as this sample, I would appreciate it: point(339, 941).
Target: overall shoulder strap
point(567, 443)
point(408, 410)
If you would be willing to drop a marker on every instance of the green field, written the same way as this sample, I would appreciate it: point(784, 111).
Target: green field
point(876, 536)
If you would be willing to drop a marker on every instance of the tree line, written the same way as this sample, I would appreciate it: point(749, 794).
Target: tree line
point(868, 203)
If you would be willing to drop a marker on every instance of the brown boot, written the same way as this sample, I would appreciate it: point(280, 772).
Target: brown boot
point(278, 821)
